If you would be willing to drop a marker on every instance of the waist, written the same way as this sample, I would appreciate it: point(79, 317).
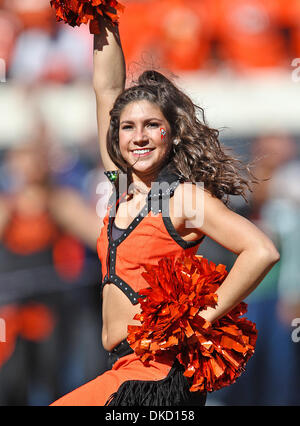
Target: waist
point(122, 349)
point(117, 313)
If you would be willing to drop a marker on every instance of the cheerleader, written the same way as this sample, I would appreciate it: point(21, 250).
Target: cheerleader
point(150, 134)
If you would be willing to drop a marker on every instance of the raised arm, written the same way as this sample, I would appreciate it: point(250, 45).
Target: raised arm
point(108, 79)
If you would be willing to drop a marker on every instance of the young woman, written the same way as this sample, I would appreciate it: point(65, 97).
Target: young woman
point(150, 133)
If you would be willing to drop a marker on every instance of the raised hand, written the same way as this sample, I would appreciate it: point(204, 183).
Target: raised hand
point(80, 12)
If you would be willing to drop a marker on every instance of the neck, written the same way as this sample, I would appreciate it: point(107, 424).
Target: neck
point(141, 183)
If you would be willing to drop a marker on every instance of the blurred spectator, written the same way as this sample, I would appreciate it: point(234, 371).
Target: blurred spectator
point(32, 14)
point(175, 34)
point(291, 23)
point(44, 50)
point(283, 214)
point(269, 153)
point(249, 34)
point(188, 35)
point(272, 376)
point(136, 29)
point(181, 35)
point(9, 30)
point(37, 214)
point(185, 29)
point(59, 56)
point(45, 243)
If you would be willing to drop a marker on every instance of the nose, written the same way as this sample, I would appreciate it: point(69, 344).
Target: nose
point(140, 136)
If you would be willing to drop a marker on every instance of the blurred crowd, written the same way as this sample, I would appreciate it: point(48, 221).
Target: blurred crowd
point(181, 35)
point(51, 194)
point(36, 49)
point(272, 376)
point(49, 272)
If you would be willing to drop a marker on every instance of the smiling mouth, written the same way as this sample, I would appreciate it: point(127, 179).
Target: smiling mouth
point(142, 152)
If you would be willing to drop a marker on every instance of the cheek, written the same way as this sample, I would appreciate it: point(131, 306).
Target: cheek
point(162, 137)
point(122, 142)
point(163, 148)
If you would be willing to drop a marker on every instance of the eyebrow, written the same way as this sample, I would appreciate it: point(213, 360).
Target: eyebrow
point(148, 119)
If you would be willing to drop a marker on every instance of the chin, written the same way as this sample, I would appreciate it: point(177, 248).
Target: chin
point(144, 166)
point(142, 169)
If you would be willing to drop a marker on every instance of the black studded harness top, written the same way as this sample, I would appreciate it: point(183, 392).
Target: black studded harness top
point(148, 238)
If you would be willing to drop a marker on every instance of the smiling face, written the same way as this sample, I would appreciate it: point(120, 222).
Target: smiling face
point(140, 129)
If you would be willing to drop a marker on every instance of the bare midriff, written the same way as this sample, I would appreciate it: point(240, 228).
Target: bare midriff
point(117, 310)
point(117, 313)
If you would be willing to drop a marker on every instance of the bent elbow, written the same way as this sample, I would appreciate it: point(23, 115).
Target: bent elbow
point(271, 254)
point(275, 256)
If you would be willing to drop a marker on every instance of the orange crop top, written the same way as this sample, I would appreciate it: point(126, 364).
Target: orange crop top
point(149, 237)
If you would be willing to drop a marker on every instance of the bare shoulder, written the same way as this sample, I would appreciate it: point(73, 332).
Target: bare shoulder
point(193, 196)
point(212, 217)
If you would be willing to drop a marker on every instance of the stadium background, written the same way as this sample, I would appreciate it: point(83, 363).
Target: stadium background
point(239, 60)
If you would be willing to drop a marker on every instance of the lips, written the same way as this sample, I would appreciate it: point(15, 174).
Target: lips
point(137, 154)
point(141, 149)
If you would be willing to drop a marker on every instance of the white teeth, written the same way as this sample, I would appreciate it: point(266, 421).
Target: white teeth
point(141, 151)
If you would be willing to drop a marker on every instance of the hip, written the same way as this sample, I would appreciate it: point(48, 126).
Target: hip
point(158, 383)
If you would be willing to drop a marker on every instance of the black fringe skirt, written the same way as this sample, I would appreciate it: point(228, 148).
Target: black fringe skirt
point(173, 390)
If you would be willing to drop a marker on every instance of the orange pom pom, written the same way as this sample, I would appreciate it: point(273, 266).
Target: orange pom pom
point(213, 355)
point(77, 12)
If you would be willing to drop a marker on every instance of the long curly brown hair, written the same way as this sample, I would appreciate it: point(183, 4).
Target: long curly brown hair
point(199, 157)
